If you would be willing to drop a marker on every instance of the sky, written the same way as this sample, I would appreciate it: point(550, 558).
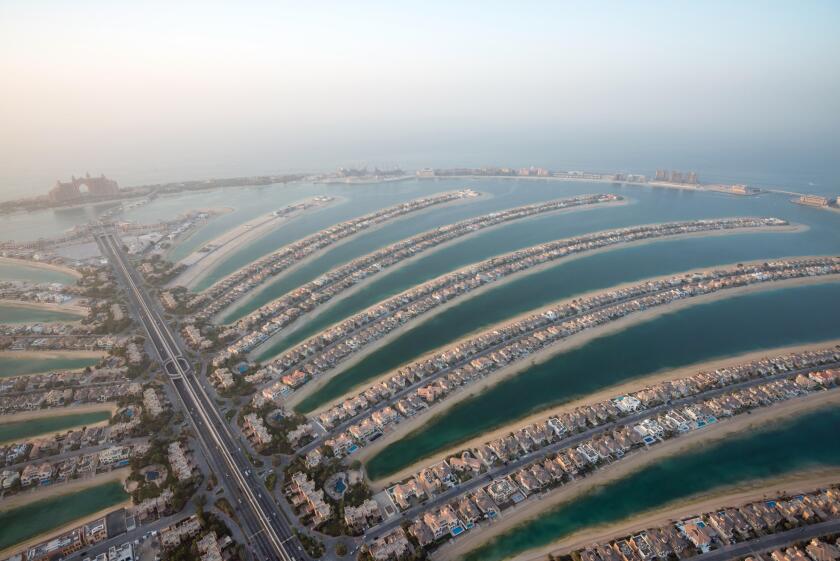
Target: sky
point(158, 91)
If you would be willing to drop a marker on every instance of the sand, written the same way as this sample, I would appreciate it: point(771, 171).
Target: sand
point(631, 463)
point(601, 395)
point(59, 412)
point(724, 497)
point(314, 385)
point(573, 342)
point(58, 489)
point(69, 308)
point(51, 354)
point(22, 546)
point(324, 250)
point(299, 324)
point(38, 265)
point(200, 263)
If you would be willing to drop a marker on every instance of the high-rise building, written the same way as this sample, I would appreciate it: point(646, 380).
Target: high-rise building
point(81, 187)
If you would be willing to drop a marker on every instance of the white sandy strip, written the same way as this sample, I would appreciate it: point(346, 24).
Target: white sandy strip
point(622, 388)
point(314, 385)
point(109, 406)
point(38, 265)
point(69, 308)
point(531, 508)
point(51, 354)
point(725, 497)
point(41, 493)
point(255, 292)
point(293, 327)
point(199, 263)
point(23, 546)
point(573, 342)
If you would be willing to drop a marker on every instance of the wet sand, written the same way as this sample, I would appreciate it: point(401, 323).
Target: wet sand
point(570, 343)
point(532, 508)
point(601, 395)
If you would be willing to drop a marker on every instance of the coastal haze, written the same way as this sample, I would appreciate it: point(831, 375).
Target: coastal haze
point(381, 282)
point(165, 92)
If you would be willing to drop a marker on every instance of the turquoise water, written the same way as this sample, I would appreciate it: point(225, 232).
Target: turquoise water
point(23, 523)
point(13, 271)
point(761, 320)
point(18, 314)
point(782, 448)
point(600, 271)
point(24, 429)
point(14, 366)
point(651, 206)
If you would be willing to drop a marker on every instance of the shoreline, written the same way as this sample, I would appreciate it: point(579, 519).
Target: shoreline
point(43, 266)
point(723, 497)
point(82, 520)
point(600, 395)
point(23, 416)
point(392, 336)
point(404, 263)
point(60, 489)
point(230, 242)
point(571, 343)
point(228, 310)
point(70, 309)
point(530, 509)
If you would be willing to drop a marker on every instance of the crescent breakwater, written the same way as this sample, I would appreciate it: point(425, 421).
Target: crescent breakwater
point(270, 319)
point(411, 392)
point(230, 289)
point(324, 356)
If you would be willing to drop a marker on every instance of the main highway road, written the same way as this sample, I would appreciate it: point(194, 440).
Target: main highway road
point(270, 533)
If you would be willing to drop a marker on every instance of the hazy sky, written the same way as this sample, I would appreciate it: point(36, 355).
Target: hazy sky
point(172, 90)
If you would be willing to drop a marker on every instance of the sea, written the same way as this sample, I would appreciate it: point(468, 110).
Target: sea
point(742, 324)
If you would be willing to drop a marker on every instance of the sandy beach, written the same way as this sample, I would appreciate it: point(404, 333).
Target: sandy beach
point(724, 497)
point(51, 354)
point(323, 251)
point(109, 406)
point(531, 508)
point(568, 344)
point(301, 323)
point(69, 308)
point(61, 529)
point(200, 263)
point(58, 489)
point(314, 385)
point(606, 393)
point(38, 265)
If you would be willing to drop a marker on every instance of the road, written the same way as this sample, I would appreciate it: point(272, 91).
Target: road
point(574, 440)
point(772, 541)
point(269, 533)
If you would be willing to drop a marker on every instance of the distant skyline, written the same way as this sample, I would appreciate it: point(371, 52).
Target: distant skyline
point(163, 91)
